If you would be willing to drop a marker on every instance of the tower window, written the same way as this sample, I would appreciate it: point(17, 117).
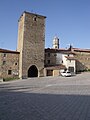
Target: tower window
point(35, 18)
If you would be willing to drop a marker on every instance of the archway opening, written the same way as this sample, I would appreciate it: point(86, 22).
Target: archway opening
point(33, 71)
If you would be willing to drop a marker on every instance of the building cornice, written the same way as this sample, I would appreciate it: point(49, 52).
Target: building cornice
point(8, 51)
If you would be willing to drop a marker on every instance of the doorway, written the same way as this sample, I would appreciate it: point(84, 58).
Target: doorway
point(49, 72)
point(33, 71)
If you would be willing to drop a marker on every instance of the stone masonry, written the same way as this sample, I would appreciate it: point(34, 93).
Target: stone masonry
point(31, 58)
point(31, 40)
point(82, 59)
point(9, 64)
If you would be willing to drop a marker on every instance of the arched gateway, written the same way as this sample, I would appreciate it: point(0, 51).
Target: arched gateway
point(33, 71)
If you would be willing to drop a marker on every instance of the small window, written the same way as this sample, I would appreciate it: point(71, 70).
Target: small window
point(9, 72)
point(55, 54)
point(48, 61)
point(15, 63)
point(4, 55)
point(35, 18)
point(56, 47)
point(4, 62)
point(48, 54)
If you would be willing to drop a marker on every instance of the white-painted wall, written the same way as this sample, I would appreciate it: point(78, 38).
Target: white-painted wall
point(71, 63)
point(68, 63)
point(61, 59)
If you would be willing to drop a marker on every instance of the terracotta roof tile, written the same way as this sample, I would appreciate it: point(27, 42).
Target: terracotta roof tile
point(81, 50)
point(70, 58)
point(8, 51)
point(64, 51)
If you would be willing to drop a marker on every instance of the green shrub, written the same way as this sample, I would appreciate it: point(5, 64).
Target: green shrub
point(88, 70)
point(9, 79)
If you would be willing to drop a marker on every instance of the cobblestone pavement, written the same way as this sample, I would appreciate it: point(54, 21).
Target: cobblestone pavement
point(49, 98)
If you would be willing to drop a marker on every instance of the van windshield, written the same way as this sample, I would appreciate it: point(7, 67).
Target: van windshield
point(68, 72)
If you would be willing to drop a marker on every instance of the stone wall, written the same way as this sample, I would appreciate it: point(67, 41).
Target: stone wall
point(32, 37)
point(9, 65)
point(50, 59)
point(83, 61)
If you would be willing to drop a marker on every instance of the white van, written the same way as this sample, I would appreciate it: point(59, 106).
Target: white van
point(66, 73)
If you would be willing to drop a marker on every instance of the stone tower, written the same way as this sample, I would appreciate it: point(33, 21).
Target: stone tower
point(31, 41)
point(56, 43)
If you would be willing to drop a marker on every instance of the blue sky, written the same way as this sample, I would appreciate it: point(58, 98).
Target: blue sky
point(67, 19)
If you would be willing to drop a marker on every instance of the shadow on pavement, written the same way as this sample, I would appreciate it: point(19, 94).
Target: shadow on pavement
point(34, 106)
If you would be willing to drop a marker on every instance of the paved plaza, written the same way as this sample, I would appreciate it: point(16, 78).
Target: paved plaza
point(46, 98)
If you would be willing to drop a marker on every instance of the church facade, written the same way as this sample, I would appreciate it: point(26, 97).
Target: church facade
point(31, 59)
